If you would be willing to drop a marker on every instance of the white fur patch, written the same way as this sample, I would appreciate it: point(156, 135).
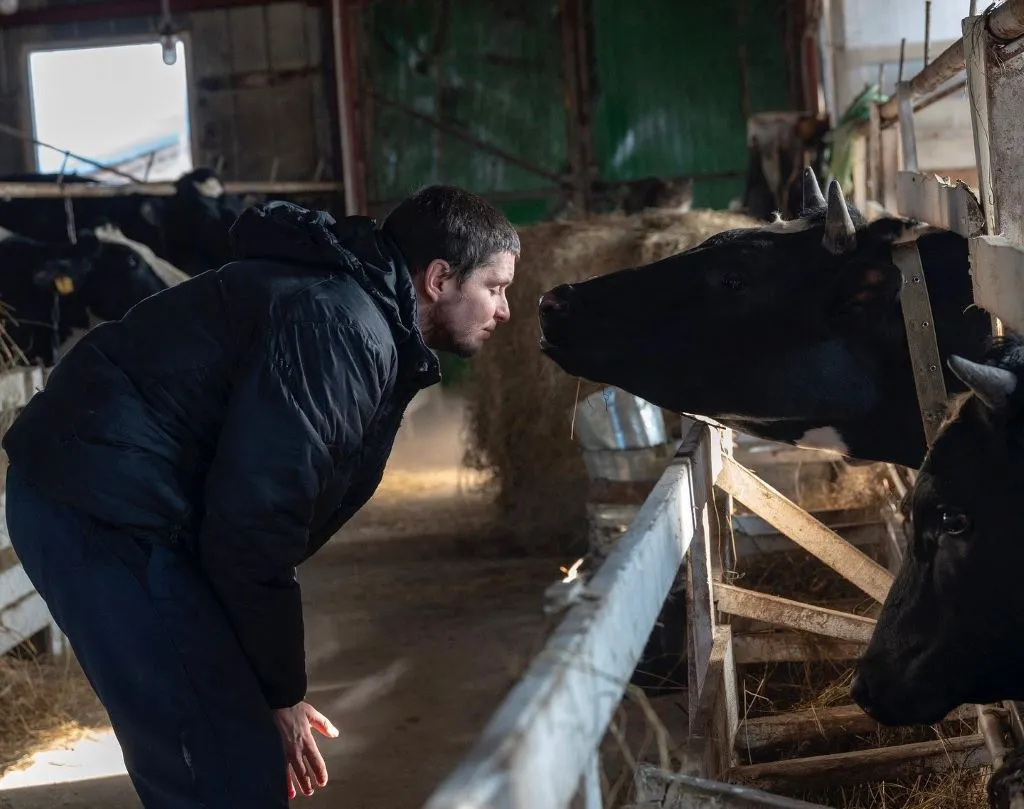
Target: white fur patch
point(165, 271)
point(826, 438)
point(5, 234)
point(210, 187)
point(781, 225)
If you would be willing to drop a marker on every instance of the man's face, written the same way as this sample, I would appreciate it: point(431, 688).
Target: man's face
point(463, 317)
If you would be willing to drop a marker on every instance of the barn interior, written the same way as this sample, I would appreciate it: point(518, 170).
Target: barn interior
point(612, 134)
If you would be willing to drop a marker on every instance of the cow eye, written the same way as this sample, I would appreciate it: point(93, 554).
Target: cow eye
point(953, 521)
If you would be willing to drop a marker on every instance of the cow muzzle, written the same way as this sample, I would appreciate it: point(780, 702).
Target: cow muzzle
point(554, 308)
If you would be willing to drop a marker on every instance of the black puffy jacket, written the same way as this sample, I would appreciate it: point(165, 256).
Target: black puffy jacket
point(245, 414)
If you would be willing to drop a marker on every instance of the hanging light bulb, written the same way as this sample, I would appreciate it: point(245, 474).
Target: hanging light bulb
point(168, 40)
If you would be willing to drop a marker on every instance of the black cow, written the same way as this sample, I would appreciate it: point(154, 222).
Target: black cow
point(792, 331)
point(950, 630)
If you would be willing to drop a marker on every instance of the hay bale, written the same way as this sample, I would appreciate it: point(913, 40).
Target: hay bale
point(520, 404)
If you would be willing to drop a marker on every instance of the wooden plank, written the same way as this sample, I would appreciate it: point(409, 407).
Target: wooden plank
point(699, 598)
point(880, 764)
point(861, 536)
point(14, 585)
point(657, 789)
point(792, 647)
point(286, 35)
point(825, 723)
point(21, 620)
point(793, 614)
point(823, 543)
point(997, 273)
point(976, 44)
point(536, 746)
point(931, 199)
point(835, 518)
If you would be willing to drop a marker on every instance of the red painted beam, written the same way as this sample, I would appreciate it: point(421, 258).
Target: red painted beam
point(112, 9)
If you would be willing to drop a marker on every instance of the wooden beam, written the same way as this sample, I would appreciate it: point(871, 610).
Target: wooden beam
point(90, 190)
point(826, 723)
point(997, 273)
point(879, 764)
point(817, 539)
point(931, 199)
point(1006, 22)
point(791, 647)
point(658, 789)
point(537, 745)
point(793, 614)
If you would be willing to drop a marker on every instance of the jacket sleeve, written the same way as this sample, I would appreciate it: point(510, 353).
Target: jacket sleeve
point(300, 406)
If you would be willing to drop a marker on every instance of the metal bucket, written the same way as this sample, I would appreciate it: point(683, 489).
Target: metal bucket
point(613, 419)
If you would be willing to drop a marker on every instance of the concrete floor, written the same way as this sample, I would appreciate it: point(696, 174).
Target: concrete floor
point(413, 636)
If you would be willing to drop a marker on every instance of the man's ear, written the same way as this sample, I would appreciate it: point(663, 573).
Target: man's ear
point(864, 289)
point(437, 277)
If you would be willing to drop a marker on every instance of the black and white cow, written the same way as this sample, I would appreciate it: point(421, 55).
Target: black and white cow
point(792, 331)
point(188, 229)
point(950, 630)
point(55, 292)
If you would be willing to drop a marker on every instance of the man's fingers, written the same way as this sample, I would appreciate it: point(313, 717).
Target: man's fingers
point(316, 766)
point(302, 775)
point(321, 723)
point(292, 781)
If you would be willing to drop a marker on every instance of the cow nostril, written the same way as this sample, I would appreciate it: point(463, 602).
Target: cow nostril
point(550, 303)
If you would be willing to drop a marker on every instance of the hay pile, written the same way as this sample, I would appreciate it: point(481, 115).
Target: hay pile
point(520, 403)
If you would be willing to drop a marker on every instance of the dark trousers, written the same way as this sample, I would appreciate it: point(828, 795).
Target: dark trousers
point(156, 646)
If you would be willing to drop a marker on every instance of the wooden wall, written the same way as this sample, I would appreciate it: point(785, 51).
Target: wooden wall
point(260, 86)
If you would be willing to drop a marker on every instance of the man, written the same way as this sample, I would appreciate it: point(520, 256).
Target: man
point(183, 460)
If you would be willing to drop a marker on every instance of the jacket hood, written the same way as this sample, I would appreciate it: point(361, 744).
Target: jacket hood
point(285, 232)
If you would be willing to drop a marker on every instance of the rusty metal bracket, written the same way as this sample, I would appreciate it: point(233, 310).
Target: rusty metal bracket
point(924, 347)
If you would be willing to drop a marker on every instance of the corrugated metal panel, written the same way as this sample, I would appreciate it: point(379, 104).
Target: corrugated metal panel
point(671, 87)
point(492, 69)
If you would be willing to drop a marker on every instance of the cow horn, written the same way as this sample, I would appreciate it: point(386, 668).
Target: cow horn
point(840, 235)
point(991, 384)
point(812, 191)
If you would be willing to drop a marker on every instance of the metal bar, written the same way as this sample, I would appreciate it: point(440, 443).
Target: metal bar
point(536, 746)
point(472, 140)
point(21, 134)
point(1005, 22)
point(569, 12)
point(112, 9)
point(908, 142)
point(346, 118)
point(86, 190)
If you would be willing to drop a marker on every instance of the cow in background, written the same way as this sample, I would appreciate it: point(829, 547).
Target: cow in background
point(56, 292)
point(791, 332)
point(188, 229)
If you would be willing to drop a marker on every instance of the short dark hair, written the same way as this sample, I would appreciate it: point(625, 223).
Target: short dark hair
point(450, 223)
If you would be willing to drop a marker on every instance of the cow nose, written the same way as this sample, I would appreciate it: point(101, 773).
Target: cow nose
point(556, 300)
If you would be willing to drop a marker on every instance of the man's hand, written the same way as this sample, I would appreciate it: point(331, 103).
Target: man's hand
point(305, 764)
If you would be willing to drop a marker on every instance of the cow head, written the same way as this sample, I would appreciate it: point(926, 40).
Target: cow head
point(949, 632)
point(778, 331)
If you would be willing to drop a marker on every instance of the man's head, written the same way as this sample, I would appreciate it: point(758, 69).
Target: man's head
point(461, 252)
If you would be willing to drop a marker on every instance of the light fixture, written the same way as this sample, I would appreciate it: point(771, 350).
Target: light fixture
point(167, 31)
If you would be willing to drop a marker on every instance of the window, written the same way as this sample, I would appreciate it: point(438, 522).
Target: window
point(119, 105)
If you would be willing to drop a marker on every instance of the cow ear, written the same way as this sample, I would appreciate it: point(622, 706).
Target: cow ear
point(865, 289)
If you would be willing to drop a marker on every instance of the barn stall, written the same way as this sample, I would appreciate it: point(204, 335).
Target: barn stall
point(690, 670)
